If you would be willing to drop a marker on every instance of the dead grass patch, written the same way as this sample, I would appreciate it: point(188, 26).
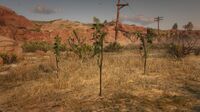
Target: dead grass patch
point(169, 86)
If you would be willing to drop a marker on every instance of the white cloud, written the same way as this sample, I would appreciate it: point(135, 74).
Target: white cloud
point(140, 19)
point(42, 9)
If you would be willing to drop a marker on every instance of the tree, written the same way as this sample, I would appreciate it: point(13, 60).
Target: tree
point(105, 22)
point(150, 35)
point(98, 37)
point(174, 32)
point(183, 42)
point(146, 40)
point(188, 26)
point(57, 50)
point(175, 26)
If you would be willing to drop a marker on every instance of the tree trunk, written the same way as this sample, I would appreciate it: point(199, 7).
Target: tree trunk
point(100, 70)
point(145, 54)
point(57, 66)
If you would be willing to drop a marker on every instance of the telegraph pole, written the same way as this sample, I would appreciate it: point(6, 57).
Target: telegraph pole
point(158, 19)
point(119, 7)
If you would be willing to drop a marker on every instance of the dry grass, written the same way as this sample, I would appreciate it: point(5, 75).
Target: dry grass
point(170, 85)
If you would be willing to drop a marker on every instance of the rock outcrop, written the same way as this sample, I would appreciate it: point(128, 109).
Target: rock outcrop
point(8, 45)
point(10, 18)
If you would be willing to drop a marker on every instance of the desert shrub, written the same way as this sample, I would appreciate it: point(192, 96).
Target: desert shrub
point(197, 51)
point(30, 71)
point(36, 45)
point(63, 47)
point(113, 47)
point(130, 47)
point(84, 51)
point(175, 51)
point(79, 47)
point(25, 73)
point(46, 68)
point(183, 42)
point(8, 58)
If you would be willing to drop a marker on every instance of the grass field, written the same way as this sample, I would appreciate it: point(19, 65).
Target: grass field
point(170, 85)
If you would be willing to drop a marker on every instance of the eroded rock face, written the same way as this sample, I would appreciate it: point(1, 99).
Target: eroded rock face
point(19, 28)
point(8, 45)
point(10, 18)
point(64, 29)
point(12, 25)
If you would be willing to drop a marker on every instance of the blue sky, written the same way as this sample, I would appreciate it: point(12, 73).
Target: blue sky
point(140, 12)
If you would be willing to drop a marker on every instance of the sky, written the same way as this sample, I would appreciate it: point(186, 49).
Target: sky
point(139, 12)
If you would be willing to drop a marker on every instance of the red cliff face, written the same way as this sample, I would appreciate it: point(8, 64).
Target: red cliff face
point(19, 28)
point(10, 18)
point(12, 25)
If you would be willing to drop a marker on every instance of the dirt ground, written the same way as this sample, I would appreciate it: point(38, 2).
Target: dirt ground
point(170, 85)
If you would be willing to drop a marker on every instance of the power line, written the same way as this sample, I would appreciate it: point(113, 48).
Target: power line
point(158, 19)
point(119, 7)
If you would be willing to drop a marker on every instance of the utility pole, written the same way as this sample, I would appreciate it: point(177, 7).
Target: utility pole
point(119, 7)
point(158, 19)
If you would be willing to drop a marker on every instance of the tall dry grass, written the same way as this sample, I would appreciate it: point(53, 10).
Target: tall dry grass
point(166, 87)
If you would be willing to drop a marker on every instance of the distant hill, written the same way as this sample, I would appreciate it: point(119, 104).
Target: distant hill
point(21, 29)
point(10, 18)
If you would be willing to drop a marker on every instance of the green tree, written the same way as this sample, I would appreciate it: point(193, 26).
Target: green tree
point(146, 40)
point(57, 50)
point(174, 33)
point(98, 37)
point(189, 26)
point(175, 26)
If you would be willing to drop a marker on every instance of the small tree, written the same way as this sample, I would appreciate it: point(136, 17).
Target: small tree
point(188, 26)
point(183, 42)
point(174, 31)
point(175, 26)
point(57, 50)
point(146, 40)
point(98, 37)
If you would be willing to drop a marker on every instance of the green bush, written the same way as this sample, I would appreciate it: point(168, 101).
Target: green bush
point(63, 47)
point(79, 47)
point(36, 45)
point(113, 47)
point(83, 51)
point(8, 58)
point(86, 50)
point(130, 47)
